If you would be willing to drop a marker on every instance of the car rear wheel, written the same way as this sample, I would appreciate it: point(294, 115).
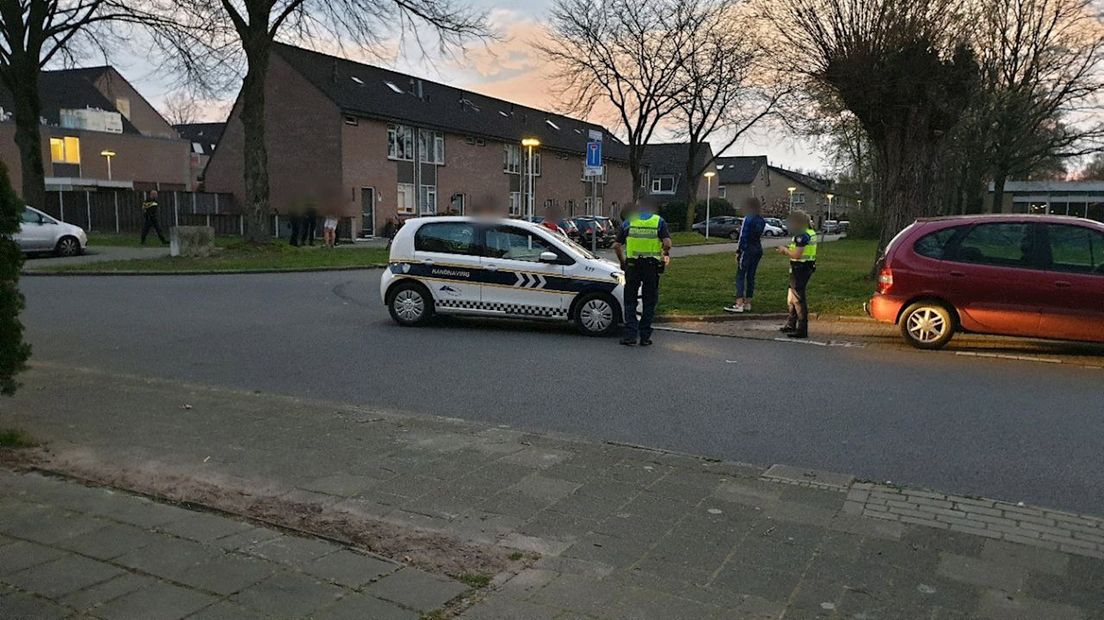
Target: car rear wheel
point(927, 325)
point(410, 304)
point(68, 246)
point(596, 315)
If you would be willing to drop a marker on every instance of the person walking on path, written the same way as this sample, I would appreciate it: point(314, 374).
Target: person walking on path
point(748, 254)
point(802, 253)
point(149, 218)
point(643, 248)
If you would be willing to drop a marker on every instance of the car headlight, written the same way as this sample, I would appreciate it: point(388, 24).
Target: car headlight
point(619, 276)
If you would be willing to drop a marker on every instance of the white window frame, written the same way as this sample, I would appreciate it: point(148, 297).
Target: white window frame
point(722, 191)
point(396, 133)
point(799, 198)
point(511, 159)
point(657, 184)
point(428, 199)
point(406, 198)
point(515, 203)
point(431, 147)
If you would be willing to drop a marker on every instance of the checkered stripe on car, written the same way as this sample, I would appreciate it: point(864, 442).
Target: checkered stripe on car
point(507, 308)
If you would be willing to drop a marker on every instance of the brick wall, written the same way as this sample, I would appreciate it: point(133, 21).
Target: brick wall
point(364, 164)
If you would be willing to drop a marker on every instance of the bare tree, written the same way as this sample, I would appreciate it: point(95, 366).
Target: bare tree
point(239, 36)
point(180, 108)
point(1041, 73)
point(35, 33)
point(901, 67)
point(624, 56)
point(725, 88)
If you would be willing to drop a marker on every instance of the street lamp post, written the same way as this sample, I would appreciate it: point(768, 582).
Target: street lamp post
point(108, 154)
point(829, 197)
point(708, 197)
point(530, 143)
point(791, 190)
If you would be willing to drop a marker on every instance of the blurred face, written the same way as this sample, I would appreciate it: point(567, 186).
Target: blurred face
point(751, 207)
point(796, 224)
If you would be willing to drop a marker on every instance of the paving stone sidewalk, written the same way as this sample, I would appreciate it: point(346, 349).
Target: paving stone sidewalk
point(609, 531)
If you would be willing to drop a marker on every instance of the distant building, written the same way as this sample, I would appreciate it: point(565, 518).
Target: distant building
point(204, 138)
point(374, 145)
point(1075, 198)
point(666, 180)
point(740, 178)
point(89, 112)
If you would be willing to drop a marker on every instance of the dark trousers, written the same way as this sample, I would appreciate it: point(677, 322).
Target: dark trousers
point(296, 222)
point(641, 281)
point(309, 225)
point(149, 222)
point(797, 298)
point(745, 274)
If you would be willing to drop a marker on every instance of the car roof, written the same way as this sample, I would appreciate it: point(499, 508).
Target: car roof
point(487, 221)
point(1005, 217)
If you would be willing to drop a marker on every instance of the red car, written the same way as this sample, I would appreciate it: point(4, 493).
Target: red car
point(1014, 275)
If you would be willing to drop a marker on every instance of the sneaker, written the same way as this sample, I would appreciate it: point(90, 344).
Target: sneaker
point(734, 309)
point(628, 342)
point(645, 342)
point(747, 307)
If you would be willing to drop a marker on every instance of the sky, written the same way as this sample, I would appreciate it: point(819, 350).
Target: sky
point(510, 69)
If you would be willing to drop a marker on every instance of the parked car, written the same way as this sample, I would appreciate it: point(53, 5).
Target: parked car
point(571, 228)
point(40, 233)
point(1013, 275)
point(591, 227)
point(844, 225)
point(721, 226)
point(779, 223)
point(770, 230)
point(831, 227)
point(498, 268)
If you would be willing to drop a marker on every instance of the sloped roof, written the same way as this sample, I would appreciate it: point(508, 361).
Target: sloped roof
point(739, 170)
point(206, 135)
point(68, 89)
point(813, 183)
point(670, 158)
point(374, 92)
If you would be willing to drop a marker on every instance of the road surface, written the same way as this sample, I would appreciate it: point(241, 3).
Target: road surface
point(1004, 429)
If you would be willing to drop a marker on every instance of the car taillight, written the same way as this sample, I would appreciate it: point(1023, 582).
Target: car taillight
point(885, 280)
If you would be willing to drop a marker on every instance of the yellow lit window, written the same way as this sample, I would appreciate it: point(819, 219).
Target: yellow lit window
point(65, 150)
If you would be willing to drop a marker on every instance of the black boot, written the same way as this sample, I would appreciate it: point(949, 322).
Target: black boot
point(787, 329)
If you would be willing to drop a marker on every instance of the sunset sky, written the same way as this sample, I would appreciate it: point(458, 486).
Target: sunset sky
point(510, 70)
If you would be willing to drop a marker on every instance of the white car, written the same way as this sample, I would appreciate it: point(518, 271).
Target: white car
point(39, 232)
point(770, 230)
point(499, 268)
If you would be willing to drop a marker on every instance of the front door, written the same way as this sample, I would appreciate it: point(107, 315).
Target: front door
point(1074, 259)
point(516, 281)
point(367, 212)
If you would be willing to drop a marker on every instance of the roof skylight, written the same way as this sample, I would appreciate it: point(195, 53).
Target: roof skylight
point(357, 80)
point(393, 87)
point(552, 125)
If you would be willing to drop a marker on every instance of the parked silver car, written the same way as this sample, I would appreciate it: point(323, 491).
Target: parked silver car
point(39, 232)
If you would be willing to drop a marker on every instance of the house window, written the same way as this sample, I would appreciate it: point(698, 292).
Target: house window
point(722, 192)
point(663, 185)
point(431, 145)
point(515, 203)
point(429, 200)
point(400, 142)
point(65, 150)
point(799, 198)
point(511, 159)
point(644, 179)
point(405, 198)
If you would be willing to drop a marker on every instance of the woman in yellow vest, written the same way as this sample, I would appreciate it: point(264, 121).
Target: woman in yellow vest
point(802, 253)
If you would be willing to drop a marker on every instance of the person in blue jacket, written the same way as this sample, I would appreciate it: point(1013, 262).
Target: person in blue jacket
point(748, 254)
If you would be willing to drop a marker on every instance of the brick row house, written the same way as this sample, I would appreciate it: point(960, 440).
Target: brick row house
point(666, 180)
point(752, 176)
point(88, 114)
point(374, 146)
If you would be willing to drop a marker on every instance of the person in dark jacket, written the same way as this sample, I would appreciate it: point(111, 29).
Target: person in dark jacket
point(149, 218)
point(309, 225)
point(748, 254)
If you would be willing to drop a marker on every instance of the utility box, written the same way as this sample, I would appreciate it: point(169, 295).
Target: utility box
point(192, 241)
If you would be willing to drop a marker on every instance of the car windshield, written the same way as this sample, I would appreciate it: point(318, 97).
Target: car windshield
point(575, 246)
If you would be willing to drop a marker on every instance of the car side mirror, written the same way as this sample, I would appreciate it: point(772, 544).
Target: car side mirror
point(549, 257)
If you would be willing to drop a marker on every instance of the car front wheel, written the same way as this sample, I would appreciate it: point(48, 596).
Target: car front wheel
point(410, 304)
point(596, 315)
point(927, 325)
point(68, 246)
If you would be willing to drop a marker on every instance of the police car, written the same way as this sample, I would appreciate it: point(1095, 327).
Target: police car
point(499, 268)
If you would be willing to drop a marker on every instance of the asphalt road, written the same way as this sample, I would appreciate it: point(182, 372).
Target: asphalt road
point(1012, 430)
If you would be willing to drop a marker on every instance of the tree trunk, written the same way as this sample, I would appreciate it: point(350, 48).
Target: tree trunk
point(257, 209)
point(907, 184)
point(28, 138)
point(999, 181)
point(636, 156)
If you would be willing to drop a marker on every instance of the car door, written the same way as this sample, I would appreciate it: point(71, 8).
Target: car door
point(1074, 260)
point(447, 260)
point(34, 235)
point(516, 281)
point(993, 282)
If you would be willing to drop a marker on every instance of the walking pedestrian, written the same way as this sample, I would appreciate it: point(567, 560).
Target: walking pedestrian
point(149, 218)
point(748, 254)
point(643, 247)
point(802, 253)
point(329, 230)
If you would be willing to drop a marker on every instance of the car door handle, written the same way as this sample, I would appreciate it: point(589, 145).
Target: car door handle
point(491, 267)
point(1063, 284)
point(958, 274)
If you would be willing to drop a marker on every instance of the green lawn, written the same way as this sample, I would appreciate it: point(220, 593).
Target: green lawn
point(698, 285)
point(133, 240)
point(238, 257)
point(693, 238)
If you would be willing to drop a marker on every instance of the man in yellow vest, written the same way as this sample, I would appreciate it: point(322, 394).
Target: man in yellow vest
point(644, 249)
point(802, 253)
point(149, 218)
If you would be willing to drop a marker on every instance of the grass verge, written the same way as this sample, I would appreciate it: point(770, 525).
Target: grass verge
point(244, 257)
point(15, 438)
point(134, 240)
point(703, 285)
point(692, 238)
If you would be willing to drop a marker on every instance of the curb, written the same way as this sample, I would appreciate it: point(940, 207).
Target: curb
point(725, 318)
point(71, 274)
